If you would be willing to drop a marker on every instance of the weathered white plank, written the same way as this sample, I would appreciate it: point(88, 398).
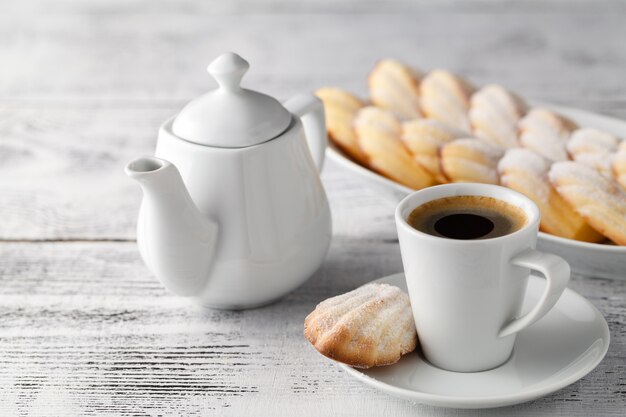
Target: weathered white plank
point(62, 176)
point(313, 6)
point(151, 59)
point(86, 330)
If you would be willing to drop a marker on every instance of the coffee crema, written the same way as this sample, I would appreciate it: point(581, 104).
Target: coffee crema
point(467, 217)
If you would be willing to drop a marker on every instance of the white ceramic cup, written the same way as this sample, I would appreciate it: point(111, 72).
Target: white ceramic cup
point(467, 295)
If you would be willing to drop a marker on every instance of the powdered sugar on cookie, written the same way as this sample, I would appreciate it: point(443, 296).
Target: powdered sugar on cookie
point(370, 326)
point(600, 200)
point(494, 115)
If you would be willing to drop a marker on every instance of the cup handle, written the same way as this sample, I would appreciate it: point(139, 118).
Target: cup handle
point(557, 273)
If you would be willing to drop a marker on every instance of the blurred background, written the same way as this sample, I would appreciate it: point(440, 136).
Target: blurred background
point(84, 85)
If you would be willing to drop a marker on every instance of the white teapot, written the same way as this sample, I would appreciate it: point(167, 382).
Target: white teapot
point(234, 213)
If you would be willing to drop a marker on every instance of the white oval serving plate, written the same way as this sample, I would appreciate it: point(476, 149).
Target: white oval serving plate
point(598, 260)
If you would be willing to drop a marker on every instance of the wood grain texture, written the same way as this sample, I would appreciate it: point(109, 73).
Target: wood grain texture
point(86, 330)
point(245, 7)
point(134, 59)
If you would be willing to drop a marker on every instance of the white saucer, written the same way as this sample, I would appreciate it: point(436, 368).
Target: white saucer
point(556, 351)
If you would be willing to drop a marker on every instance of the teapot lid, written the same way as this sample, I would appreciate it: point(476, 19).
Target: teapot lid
point(231, 116)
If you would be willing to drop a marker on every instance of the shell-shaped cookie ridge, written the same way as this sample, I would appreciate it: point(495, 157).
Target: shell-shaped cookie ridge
point(370, 326)
point(394, 86)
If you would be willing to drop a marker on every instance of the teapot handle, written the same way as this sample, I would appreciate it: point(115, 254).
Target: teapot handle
point(310, 109)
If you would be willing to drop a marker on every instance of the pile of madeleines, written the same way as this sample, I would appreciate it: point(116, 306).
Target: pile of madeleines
point(422, 130)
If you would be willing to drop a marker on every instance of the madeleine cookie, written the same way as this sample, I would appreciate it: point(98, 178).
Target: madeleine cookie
point(593, 148)
point(588, 140)
point(527, 172)
point(598, 199)
point(494, 114)
point(546, 122)
point(545, 132)
point(370, 326)
point(619, 164)
point(551, 148)
point(340, 107)
point(378, 134)
point(395, 87)
point(471, 160)
point(446, 97)
point(424, 137)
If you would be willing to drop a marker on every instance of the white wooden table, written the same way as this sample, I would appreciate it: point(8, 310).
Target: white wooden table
point(86, 330)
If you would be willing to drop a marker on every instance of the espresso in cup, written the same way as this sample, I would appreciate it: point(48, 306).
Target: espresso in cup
point(466, 288)
point(467, 217)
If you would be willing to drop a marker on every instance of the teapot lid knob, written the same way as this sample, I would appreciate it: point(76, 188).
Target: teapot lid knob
point(228, 69)
point(231, 116)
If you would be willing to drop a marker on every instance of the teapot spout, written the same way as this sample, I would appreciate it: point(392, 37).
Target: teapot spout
point(176, 241)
